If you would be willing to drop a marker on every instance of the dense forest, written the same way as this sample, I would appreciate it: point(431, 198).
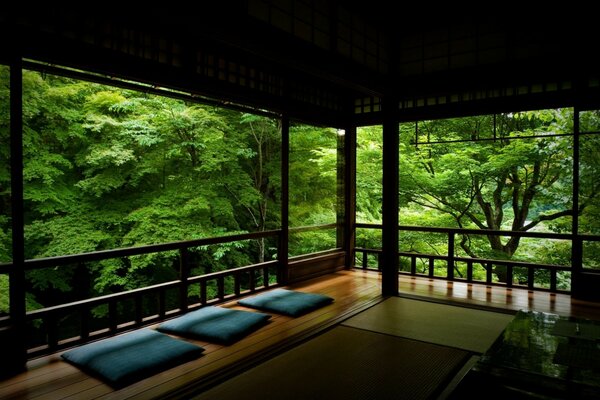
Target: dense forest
point(108, 168)
point(505, 172)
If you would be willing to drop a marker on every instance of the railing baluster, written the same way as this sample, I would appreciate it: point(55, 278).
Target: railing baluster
point(252, 282)
point(365, 259)
point(139, 313)
point(413, 265)
point(450, 268)
point(379, 256)
point(553, 280)
point(184, 274)
point(84, 323)
point(431, 267)
point(266, 276)
point(203, 296)
point(469, 271)
point(162, 303)
point(52, 330)
point(221, 287)
point(509, 275)
point(236, 283)
point(112, 316)
point(488, 273)
point(530, 277)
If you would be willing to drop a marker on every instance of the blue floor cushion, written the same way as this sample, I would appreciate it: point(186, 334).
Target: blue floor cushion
point(124, 359)
point(287, 302)
point(215, 324)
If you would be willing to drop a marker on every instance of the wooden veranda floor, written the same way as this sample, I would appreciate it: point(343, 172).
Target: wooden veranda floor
point(498, 297)
point(353, 291)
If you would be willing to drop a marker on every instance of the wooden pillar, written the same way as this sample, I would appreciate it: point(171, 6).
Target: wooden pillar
point(389, 268)
point(576, 249)
point(349, 176)
point(578, 286)
point(13, 337)
point(282, 253)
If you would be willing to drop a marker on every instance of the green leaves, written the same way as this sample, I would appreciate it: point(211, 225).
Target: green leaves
point(501, 183)
point(108, 168)
point(107, 102)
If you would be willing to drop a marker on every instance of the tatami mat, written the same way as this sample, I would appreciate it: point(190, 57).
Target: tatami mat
point(463, 328)
point(347, 363)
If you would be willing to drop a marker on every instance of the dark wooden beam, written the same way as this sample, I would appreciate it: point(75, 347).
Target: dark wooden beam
point(349, 194)
point(389, 267)
point(17, 349)
point(282, 252)
point(313, 100)
point(586, 98)
point(578, 287)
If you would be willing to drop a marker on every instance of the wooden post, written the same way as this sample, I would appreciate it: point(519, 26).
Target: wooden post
point(113, 318)
point(13, 337)
point(282, 253)
point(530, 277)
point(349, 195)
point(469, 271)
point(265, 272)
point(450, 273)
point(578, 288)
point(85, 325)
point(139, 309)
point(390, 201)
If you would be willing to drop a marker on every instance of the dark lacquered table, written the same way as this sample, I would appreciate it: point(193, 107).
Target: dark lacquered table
point(539, 355)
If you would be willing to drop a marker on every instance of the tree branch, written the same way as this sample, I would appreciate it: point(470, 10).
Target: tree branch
point(548, 217)
point(245, 206)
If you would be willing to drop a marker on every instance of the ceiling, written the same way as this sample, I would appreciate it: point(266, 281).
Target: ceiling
point(329, 60)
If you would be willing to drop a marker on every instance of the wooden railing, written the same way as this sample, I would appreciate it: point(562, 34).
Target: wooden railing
point(453, 262)
point(125, 310)
point(129, 310)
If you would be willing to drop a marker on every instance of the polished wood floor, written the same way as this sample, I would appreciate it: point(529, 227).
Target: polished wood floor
point(513, 299)
point(353, 291)
point(52, 378)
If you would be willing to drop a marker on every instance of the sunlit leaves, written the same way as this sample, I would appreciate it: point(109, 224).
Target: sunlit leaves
point(108, 168)
point(313, 157)
point(105, 102)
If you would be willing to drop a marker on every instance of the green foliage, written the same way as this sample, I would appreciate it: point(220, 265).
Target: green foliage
point(312, 175)
point(369, 161)
point(311, 241)
point(4, 295)
point(5, 240)
point(500, 182)
point(107, 168)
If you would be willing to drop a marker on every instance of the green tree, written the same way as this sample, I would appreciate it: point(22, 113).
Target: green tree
point(108, 168)
point(312, 186)
point(369, 175)
point(508, 183)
